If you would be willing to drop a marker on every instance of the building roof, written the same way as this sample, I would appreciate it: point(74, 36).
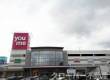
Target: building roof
point(47, 47)
point(66, 66)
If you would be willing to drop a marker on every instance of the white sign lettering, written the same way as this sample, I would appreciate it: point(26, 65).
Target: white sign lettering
point(20, 43)
point(19, 38)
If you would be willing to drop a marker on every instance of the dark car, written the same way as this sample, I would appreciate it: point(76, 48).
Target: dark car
point(15, 78)
point(34, 78)
point(44, 77)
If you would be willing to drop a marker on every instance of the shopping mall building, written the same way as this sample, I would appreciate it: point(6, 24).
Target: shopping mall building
point(36, 61)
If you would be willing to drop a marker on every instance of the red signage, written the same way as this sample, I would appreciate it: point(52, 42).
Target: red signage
point(20, 41)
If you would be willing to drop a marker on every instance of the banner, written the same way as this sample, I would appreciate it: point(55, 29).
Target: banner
point(20, 41)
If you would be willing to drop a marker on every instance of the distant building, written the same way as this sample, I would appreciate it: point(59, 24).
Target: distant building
point(3, 60)
point(93, 62)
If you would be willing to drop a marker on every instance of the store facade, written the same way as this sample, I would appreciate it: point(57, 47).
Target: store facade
point(46, 60)
point(37, 61)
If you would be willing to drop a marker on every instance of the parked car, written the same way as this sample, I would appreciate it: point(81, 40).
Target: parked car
point(61, 76)
point(12, 78)
point(35, 78)
point(20, 77)
point(43, 77)
point(31, 78)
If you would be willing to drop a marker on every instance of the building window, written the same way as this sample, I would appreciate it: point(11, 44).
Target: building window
point(86, 54)
point(17, 61)
point(99, 54)
point(50, 58)
point(73, 54)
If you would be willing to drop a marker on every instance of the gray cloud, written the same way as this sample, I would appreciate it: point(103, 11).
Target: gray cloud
point(73, 17)
point(104, 44)
point(81, 17)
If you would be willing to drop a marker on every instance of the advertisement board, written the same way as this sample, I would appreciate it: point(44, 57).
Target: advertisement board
point(20, 41)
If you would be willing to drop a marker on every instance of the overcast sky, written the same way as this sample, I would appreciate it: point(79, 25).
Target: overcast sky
point(72, 24)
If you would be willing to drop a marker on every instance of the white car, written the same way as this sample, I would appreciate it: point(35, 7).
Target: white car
point(61, 76)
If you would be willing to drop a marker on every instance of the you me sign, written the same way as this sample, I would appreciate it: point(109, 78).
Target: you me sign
point(20, 41)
